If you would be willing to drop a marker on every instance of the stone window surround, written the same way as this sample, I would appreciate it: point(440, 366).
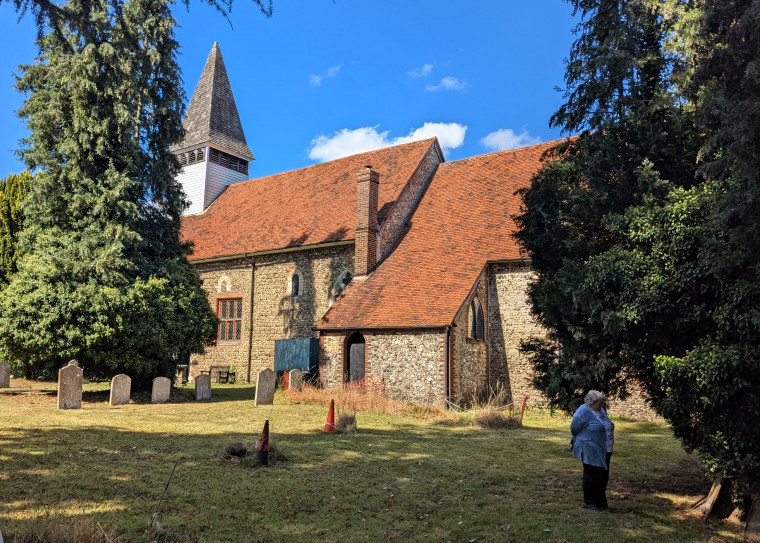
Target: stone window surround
point(296, 274)
point(476, 309)
point(226, 296)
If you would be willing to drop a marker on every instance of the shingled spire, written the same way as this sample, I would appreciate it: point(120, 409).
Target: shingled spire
point(212, 116)
point(214, 153)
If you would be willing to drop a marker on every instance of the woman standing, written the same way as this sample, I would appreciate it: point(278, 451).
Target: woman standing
point(593, 437)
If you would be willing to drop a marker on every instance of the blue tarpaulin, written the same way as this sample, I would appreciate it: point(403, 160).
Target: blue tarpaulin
point(300, 353)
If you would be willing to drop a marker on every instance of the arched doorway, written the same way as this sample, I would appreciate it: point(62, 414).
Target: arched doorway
point(355, 357)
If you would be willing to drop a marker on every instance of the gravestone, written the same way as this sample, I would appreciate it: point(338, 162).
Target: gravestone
point(296, 380)
point(162, 386)
point(121, 387)
point(265, 387)
point(203, 387)
point(70, 386)
point(5, 375)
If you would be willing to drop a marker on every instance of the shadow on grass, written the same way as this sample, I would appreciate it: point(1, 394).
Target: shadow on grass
point(410, 483)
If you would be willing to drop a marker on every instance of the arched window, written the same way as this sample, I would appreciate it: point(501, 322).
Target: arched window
point(295, 285)
point(477, 330)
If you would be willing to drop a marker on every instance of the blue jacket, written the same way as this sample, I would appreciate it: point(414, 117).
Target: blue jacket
point(589, 437)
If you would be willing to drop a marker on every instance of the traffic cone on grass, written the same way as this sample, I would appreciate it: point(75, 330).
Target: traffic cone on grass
point(262, 447)
point(522, 411)
point(330, 424)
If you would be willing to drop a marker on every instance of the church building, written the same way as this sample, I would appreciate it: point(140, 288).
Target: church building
point(393, 265)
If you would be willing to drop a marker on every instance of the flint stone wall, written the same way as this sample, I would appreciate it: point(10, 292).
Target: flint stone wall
point(276, 313)
point(393, 220)
point(510, 322)
point(468, 377)
point(409, 362)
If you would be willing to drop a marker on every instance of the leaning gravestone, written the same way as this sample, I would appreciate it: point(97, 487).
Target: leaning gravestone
point(296, 380)
point(70, 386)
point(203, 387)
point(5, 375)
point(265, 388)
point(162, 386)
point(121, 387)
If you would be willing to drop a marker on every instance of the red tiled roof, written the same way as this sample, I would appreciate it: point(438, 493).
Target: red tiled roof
point(312, 205)
point(463, 221)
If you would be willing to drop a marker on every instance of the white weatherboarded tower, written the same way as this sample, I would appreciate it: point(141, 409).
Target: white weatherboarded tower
point(214, 153)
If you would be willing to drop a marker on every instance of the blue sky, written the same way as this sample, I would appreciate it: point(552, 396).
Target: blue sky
point(323, 79)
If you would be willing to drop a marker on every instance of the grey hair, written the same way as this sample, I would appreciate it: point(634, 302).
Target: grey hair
point(594, 395)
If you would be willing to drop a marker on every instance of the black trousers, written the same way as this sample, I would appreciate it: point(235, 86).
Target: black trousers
point(595, 484)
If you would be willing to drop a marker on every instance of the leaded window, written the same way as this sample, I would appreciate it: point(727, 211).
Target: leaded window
point(295, 285)
point(230, 314)
point(477, 330)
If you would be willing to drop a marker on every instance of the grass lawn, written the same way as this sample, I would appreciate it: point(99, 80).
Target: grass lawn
point(398, 478)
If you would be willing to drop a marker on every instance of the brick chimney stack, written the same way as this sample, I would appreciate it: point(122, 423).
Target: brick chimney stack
point(365, 251)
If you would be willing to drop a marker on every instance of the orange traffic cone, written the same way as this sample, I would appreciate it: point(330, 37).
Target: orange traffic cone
point(522, 411)
point(330, 424)
point(262, 447)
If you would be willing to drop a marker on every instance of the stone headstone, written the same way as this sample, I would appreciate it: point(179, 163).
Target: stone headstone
point(296, 380)
point(70, 386)
point(203, 387)
point(121, 387)
point(162, 386)
point(5, 375)
point(265, 387)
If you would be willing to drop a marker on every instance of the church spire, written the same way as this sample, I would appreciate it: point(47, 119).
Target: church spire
point(212, 117)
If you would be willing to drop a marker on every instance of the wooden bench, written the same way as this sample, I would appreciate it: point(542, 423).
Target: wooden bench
point(222, 374)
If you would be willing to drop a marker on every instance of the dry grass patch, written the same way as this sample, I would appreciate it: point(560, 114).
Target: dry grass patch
point(366, 395)
point(498, 419)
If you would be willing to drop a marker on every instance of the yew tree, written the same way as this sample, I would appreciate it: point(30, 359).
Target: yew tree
point(103, 276)
point(644, 229)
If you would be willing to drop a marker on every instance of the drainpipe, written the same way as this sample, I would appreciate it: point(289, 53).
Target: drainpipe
point(446, 363)
point(250, 326)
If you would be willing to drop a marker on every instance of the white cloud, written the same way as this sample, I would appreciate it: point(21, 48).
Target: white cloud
point(505, 138)
point(347, 142)
point(448, 83)
point(450, 135)
point(422, 71)
point(315, 80)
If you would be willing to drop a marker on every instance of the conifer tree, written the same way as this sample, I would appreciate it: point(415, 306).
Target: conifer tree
point(13, 191)
point(647, 255)
point(104, 278)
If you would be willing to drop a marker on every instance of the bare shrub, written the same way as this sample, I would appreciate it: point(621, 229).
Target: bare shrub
point(346, 422)
point(498, 419)
point(366, 395)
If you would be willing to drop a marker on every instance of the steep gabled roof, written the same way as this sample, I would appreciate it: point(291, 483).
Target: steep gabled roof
point(463, 221)
point(309, 206)
point(212, 116)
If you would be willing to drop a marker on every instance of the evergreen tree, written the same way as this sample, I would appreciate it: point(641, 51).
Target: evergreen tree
point(619, 95)
point(647, 261)
point(104, 278)
point(13, 191)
